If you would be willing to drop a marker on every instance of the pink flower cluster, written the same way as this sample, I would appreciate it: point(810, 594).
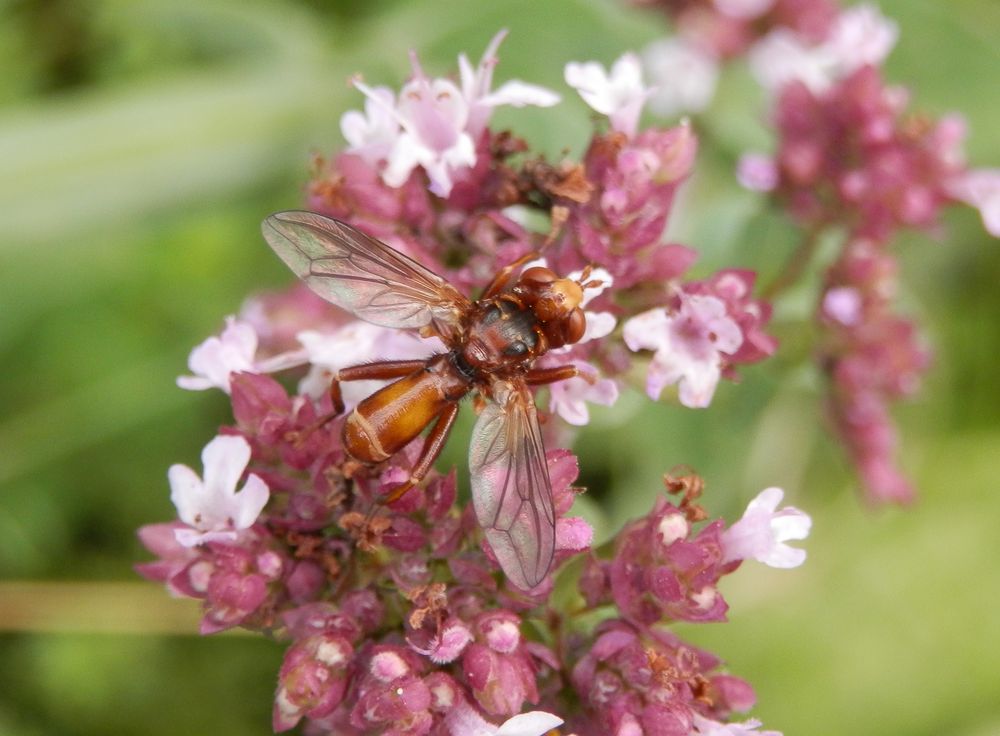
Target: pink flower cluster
point(728, 28)
point(872, 357)
point(397, 619)
point(850, 158)
point(608, 211)
point(397, 616)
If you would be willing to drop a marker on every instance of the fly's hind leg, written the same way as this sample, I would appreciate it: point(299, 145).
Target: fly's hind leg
point(383, 370)
point(432, 448)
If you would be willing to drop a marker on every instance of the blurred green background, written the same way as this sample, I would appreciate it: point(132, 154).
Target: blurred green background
point(140, 145)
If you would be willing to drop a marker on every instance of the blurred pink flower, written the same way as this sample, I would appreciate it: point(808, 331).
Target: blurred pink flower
point(980, 188)
point(683, 76)
point(372, 134)
point(619, 94)
point(860, 36)
point(762, 532)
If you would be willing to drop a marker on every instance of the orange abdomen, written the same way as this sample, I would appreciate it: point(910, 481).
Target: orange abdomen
point(389, 419)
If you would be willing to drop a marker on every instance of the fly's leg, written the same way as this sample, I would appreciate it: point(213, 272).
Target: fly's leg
point(544, 376)
point(432, 448)
point(502, 279)
point(383, 370)
point(380, 371)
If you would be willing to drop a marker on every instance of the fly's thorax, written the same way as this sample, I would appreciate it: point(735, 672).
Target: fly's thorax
point(502, 334)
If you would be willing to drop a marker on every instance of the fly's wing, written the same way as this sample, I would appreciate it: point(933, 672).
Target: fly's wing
point(363, 275)
point(511, 491)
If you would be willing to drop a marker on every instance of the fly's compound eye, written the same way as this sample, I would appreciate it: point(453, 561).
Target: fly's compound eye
point(515, 349)
point(538, 276)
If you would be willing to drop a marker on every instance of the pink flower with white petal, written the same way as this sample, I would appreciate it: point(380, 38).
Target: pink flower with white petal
point(213, 509)
point(569, 398)
point(619, 94)
point(433, 114)
point(762, 532)
point(683, 75)
point(690, 346)
point(372, 134)
point(437, 123)
point(476, 84)
point(980, 188)
point(234, 351)
point(216, 358)
point(464, 720)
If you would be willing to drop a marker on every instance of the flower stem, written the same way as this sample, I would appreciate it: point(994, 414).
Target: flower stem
point(795, 266)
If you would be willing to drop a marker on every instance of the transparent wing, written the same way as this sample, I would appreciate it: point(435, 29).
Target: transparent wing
point(511, 491)
point(363, 275)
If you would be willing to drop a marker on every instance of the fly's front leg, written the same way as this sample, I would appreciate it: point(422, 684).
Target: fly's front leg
point(432, 448)
point(544, 376)
point(500, 281)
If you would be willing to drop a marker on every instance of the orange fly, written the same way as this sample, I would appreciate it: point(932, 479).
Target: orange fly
point(492, 343)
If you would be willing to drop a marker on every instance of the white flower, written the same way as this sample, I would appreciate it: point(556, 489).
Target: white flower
point(464, 720)
point(706, 727)
point(620, 95)
point(782, 56)
point(683, 74)
point(763, 530)
point(432, 114)
point(215, 360)
point(861, 35)
point(481, 100)
point(689, 347)
point(212, 508)
point(372, 134)
point(981, 189)
point(744, 9)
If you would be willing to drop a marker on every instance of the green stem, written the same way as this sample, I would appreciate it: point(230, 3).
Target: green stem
point(795, 266)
